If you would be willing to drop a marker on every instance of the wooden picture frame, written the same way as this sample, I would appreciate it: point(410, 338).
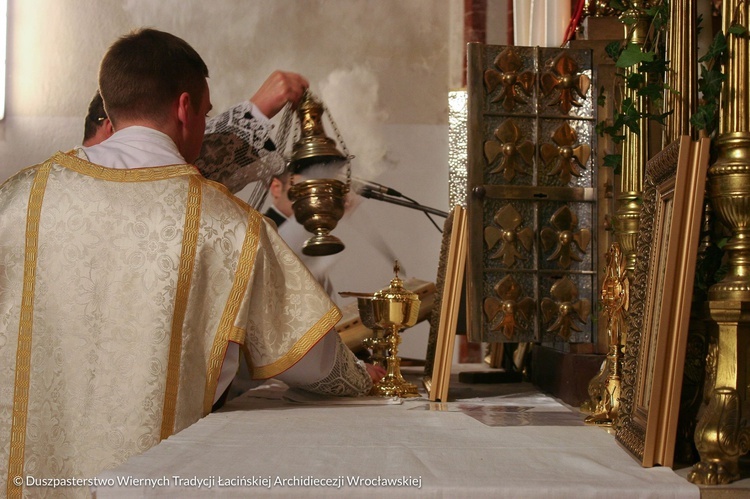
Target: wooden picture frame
point(444, 318)
point(660, 298)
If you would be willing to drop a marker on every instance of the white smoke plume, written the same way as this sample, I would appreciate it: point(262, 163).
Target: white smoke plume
point(351, 97)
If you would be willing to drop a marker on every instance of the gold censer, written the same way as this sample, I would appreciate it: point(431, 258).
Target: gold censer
point(318, 203)
point(395, 309)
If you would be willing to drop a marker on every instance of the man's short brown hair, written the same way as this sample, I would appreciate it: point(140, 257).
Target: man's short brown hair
point(143, 72)
point(94, 118)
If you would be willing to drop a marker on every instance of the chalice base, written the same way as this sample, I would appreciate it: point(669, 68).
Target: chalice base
point(322, 245)
point(394, 387)
point(393, 383)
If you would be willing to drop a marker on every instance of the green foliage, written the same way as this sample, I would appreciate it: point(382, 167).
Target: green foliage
point(613, 161)
point(642, 69)
point(710, 81)
point(617, 4)
point(705, 117)
point(633, 55)
point(737, 29)
point(712, 265)
point(716, 49)
point(659, 15)
point(653, 91)
point(601, 100)
point(613, 50)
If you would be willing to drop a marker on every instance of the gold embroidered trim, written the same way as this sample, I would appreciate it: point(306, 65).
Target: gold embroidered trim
point(237, 335)
point(301, 347)
point(187, 264)
point(25, 328)
point(242, 276)
point(84, 167)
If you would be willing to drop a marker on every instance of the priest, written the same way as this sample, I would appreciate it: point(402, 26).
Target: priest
point(128, 281)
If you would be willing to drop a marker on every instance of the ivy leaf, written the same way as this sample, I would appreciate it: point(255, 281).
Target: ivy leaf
point(710, 83)
point(672, 90)
point(602, 99)
point(612, 160)
point(659, 118)
point(630, 116)
point(633, 55)
point(616, 139)
point(659, 14)
point(617, 4)
point(699, 120)
point(716, 49)
point(614, 131)
point(613, 50)
point(652, 91)
point(737, 29)
point(705, 117)
point(635, 80)
point(657, 66)
point(599, 128)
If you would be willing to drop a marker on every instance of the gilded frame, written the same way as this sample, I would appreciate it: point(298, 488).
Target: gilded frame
point(444, 318)
point(661, 293)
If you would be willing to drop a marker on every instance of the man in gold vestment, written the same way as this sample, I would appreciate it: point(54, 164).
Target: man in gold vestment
point(128, 280)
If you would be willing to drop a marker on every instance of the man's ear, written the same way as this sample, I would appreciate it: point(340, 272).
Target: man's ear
point(184, 107)
point(109, 130)
point(275, 187)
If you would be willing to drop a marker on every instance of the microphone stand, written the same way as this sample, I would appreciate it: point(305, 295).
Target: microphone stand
point(370, 194)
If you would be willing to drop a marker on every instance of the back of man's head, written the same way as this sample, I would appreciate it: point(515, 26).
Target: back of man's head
point(143, 73)
point(94, 118)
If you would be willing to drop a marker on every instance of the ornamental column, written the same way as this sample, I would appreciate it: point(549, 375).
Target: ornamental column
point(721, 435)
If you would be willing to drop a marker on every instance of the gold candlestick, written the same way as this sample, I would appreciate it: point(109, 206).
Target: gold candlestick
point(615, 301)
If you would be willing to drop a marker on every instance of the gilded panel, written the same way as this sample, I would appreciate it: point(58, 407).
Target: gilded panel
point(531, 194)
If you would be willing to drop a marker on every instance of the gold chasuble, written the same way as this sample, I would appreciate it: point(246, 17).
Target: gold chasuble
point(119, 291)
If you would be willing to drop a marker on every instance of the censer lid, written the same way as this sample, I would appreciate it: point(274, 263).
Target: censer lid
point(396, 290)
point(314, 146)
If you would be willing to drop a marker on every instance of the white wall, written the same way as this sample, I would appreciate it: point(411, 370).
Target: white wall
point(383, 67)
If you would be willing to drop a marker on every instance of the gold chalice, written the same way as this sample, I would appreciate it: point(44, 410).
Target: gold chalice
point(394, 309)
point(377, 343)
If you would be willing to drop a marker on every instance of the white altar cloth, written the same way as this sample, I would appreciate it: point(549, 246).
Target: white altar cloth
point(279, 446)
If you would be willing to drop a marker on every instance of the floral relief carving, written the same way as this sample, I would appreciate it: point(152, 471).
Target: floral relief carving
point(564, 310)
point(509, 306)
point(564, 239)
point(508, 76)
point(565, 157)
point(512, 149)
point(510, 233)
point(565, 83)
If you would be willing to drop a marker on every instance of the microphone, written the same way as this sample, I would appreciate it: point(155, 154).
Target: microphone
point(364, 187)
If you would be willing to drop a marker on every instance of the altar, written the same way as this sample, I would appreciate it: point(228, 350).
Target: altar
point(489, 441)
